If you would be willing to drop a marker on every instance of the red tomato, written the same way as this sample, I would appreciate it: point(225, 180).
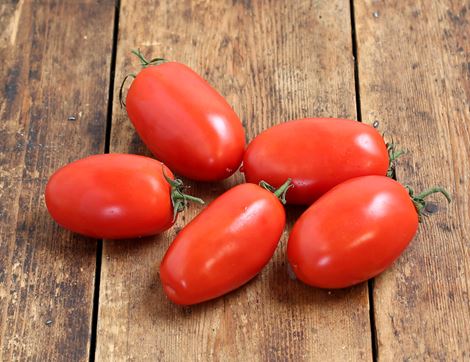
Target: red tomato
point(354, 232)
point(317, 153)
point(113, 196)
point(185, 122)
point(224, 247)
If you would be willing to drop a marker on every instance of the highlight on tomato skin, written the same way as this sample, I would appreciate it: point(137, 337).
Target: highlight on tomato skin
point(224, 247)
point(317, 153)
point(114, 196)
point(354, 232)
point(185, 122)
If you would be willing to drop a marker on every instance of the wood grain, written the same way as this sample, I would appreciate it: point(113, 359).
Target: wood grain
point(55, 59)
point(274, 61)
point(414, 72)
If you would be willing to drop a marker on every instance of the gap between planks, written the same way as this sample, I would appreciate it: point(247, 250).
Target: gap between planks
point(370, 283)
point(109, 117)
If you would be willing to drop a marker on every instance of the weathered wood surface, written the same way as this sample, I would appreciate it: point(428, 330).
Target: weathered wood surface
point(414, 75)
point(274, 61)
point(55, 61)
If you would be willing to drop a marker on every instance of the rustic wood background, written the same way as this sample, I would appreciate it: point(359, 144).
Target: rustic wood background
point(405, 63)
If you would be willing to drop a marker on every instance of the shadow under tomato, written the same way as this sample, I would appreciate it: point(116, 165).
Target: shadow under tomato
point(293, 212)
point(129, 246)
point(163, 309)
point(54, 237)
point(286, 290)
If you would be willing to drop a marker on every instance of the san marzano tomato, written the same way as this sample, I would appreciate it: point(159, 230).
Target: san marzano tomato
point(114, 196)
point(354, 232)
point(317, 153)
point(185, 122)
point(225, 246)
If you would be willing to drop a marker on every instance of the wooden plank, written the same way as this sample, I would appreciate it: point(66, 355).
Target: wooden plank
point(55, 59)
point(415, 79)
point(274, 61)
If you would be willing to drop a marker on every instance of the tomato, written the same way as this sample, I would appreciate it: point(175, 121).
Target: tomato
point(317, 153)
point(114, 196)
point(184, 122)
point(225, 246)
point(354, 232)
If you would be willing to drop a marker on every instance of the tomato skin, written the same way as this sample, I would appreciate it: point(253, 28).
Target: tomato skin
point(224, 247)
point(185, 123)
point(352, 233)
point(317, 153)
point(111, 196)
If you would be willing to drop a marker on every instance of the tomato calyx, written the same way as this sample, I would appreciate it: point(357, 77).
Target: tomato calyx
point(179, 200)
point(144, 63)
point(121, 99)
point(393, 154)
point(280, 193)
point(420, 202)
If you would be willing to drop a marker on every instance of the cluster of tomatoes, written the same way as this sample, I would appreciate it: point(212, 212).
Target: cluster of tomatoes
point(358, 219)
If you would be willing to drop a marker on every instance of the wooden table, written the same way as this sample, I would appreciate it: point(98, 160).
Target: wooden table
point(405, 63)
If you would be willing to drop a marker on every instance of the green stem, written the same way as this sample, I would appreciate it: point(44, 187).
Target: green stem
point(420, 202)
point(121, 99)
point(139, 55)
point(283, 188)
point(180, 196)
point(266, 186)
point(434, 190)
point(393, 154)
point(280, 193)
point(144, 62)
point(179, 199)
